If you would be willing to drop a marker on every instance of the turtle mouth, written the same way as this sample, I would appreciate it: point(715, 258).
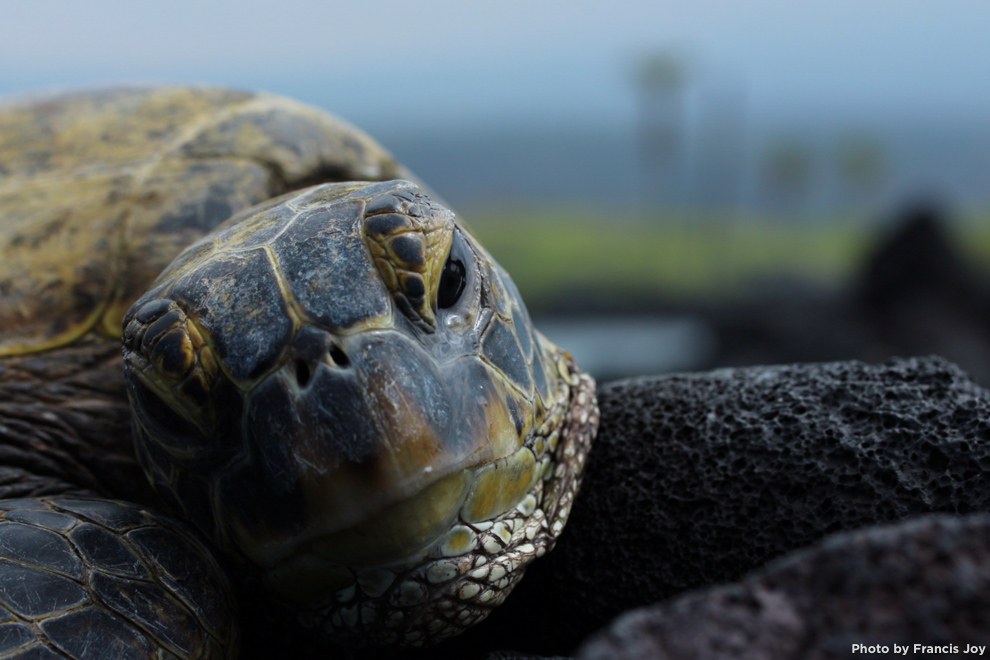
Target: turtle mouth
point(446, 517)
point(474, 533)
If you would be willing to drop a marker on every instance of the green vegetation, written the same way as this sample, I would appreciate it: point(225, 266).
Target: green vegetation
point(550, 251)
point(974, 240)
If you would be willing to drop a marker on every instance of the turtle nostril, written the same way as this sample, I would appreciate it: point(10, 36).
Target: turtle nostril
point(339, 357)
point(302, 373)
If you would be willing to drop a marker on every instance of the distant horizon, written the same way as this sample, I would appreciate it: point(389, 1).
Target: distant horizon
point(950, 164)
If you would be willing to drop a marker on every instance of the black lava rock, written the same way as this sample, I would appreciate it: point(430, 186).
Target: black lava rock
point(925, 582)
point(697, 479)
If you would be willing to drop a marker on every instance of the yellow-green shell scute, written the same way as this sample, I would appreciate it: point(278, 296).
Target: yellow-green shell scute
point(101, 189)
point(346, 379)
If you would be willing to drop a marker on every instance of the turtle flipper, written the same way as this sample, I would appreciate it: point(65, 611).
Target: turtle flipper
point(90, 578)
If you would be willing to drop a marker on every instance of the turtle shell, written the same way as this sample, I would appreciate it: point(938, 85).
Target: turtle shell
point(101, 189)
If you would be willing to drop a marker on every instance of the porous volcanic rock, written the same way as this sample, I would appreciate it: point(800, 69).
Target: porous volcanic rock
point(697, 479)
point(925, 581)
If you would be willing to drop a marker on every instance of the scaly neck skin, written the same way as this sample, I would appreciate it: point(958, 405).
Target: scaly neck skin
point(65, 424)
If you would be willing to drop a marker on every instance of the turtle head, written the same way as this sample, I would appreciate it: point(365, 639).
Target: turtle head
point(345, 392)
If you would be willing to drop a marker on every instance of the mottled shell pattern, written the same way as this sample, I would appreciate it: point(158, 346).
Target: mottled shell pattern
point(342, 389)
point(101, 189)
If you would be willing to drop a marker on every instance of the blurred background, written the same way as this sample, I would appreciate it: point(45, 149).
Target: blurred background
point(673, 185)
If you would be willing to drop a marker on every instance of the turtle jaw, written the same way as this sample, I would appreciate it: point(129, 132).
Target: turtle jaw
point(508, 513)
point(445, 517)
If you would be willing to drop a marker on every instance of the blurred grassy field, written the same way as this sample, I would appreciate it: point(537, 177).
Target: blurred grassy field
point(551, 251)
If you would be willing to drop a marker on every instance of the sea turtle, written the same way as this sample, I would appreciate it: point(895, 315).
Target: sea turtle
point(336, 395)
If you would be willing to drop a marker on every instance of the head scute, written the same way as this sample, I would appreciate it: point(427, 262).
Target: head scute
point(408, 237)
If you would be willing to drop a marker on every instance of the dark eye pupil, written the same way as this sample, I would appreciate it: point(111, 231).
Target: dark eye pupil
point(451, 283)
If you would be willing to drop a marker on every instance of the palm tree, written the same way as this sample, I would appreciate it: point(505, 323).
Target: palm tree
point(787, 171)
point(861, 164)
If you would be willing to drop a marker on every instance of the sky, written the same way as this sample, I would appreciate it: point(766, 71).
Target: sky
point(434, 64)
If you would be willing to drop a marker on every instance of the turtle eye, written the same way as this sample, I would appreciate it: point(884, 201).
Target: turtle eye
point(452, 282)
